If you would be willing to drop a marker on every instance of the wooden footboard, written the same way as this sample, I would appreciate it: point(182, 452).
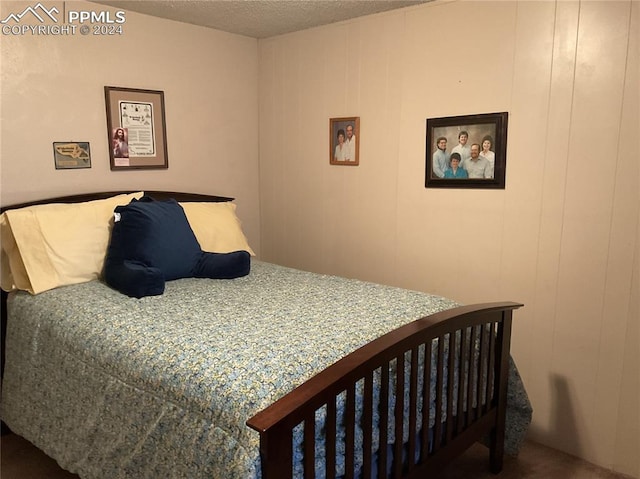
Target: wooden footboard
point(473, 341)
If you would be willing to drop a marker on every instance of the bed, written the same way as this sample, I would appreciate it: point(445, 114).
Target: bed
point(279, 374)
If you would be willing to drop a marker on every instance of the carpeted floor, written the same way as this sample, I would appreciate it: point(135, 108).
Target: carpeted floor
point(21, 460)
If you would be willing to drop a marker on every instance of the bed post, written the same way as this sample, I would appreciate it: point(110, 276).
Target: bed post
point(4, 429)
point(3, 331)
point(496, 440)
point(276, 453)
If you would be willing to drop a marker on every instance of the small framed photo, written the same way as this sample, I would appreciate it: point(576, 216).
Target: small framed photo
point(136, 128)
point(467, 151)
point(71, 155)
point(344, 141)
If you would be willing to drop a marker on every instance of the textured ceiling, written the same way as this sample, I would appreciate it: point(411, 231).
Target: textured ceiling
point(259, 18)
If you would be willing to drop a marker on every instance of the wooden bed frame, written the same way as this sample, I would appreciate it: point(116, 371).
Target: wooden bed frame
point(275, 423)
point(480, 335)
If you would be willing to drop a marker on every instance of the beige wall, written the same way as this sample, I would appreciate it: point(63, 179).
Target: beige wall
point(563, 237)
point(53, 90)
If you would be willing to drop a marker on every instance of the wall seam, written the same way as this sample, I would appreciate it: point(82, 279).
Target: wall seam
point(566, 177)
point(620, 402)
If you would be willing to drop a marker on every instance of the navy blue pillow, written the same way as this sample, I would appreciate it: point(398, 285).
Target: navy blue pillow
point(152, 242)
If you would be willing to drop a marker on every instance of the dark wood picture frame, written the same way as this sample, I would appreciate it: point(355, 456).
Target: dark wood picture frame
point(138, 118)
point(349, 153)
point(488, 171)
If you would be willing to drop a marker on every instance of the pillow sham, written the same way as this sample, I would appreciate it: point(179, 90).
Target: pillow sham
point(216, 226)
point(12, 270)
point(52, 245)
point(152, 242)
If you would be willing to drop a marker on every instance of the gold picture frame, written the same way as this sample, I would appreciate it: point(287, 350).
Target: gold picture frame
point(344, 141)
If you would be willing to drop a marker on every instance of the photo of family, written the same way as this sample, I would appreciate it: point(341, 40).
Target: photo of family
point(344, 135)
point(466, 151)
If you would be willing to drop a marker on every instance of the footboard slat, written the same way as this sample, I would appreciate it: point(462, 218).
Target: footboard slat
point(309, 446)
point(413, 406)
point(492, 365)
point(350, 433)
point(383, 459)
point(471, 382)
point(462, 382)
point(449, 424)
point(426, 394)
point(437, 436)
point(330, 439)
point(367, 426)
point(399, 416)
point(480, 397)
point(468, 369)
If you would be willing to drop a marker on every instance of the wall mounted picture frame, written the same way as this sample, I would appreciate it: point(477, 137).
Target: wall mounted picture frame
point(136, 128)
point(344, 141)
point(71, 155)
point(478, 142)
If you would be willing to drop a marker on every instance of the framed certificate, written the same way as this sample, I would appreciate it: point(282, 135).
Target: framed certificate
point(136, 128)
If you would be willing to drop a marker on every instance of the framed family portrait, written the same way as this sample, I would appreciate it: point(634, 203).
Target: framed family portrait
point(344, 141)
point(467, 151)
point(136, 128)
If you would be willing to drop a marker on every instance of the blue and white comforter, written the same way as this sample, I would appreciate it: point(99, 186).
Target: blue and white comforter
point(115, 387)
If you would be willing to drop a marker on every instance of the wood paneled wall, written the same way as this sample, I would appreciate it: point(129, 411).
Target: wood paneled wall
point(563, 237)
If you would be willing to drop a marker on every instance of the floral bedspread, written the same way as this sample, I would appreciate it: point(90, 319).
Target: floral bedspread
point(115, 387)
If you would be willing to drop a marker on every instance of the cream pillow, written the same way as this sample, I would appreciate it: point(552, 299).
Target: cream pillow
point(51, 245)
point(216, 226)
point(12, 272)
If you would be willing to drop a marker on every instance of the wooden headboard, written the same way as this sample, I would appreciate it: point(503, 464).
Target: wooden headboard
point(158, 195)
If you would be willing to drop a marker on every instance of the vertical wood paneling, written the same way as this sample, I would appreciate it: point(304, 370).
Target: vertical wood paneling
point(528, 137)
point(466, 72)
point(621, 239)
point(558, 238)
point(271, 141)
point(623, 269)
point(627, 444)
point(552, 197)
point(379, 113)
point(600, 69)
point(310, 130)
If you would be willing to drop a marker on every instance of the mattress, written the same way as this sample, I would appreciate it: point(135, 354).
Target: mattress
point(113, 387)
